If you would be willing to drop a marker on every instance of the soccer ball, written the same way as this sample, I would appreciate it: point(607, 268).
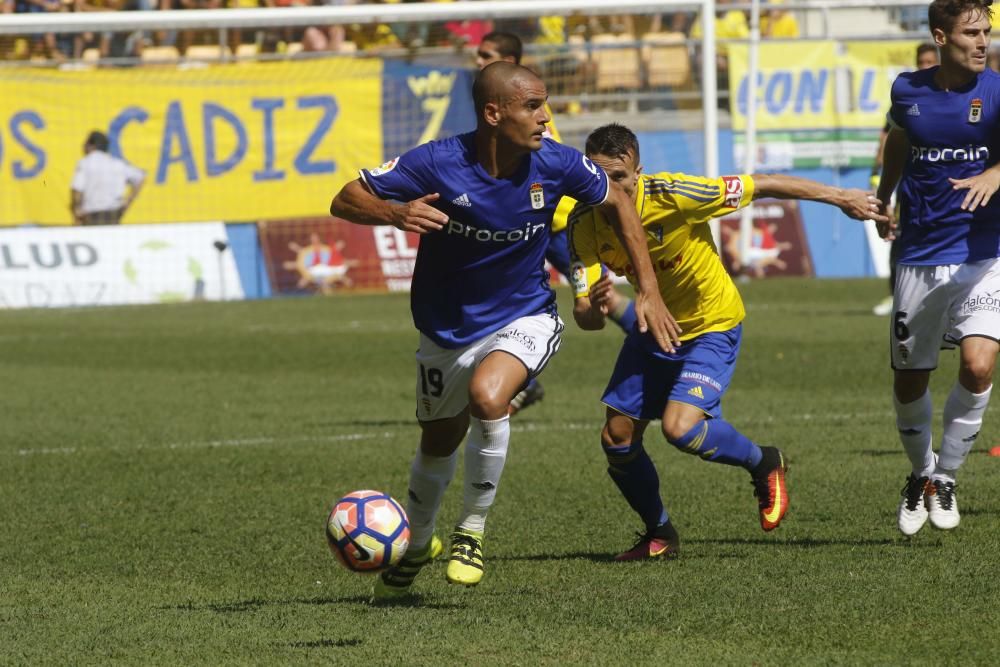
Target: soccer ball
point(367, 531)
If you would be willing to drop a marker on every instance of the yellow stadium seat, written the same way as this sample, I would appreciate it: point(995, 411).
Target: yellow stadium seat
point(91, 55)
point(292, 48)
point(668, 62)
point(616, 68)
point(246, 51)
point(160, 54)
point(206, 52)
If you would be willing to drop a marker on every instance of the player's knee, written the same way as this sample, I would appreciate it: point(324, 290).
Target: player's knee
point(618, 448)
point(486, 401)
point(979, 372)
point(678, 429)
point(613, 437)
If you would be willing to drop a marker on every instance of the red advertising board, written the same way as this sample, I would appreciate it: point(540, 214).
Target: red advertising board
point(778, 246)
point(328, 255)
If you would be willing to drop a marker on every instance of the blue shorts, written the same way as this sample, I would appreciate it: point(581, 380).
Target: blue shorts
point(698, 374)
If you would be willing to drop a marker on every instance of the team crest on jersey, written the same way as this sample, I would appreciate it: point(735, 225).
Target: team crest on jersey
point(975, 110)
point(385, 168)
point(734, 191)
point(537, 196)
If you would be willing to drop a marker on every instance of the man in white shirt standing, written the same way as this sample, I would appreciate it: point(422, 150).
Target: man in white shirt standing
point(103, 185)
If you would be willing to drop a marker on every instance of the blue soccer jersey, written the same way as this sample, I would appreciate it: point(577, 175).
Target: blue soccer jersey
point(485, 268)
point(952, 134)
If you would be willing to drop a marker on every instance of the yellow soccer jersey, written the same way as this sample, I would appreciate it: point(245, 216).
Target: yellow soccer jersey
point(565, 204)
point(673, 207)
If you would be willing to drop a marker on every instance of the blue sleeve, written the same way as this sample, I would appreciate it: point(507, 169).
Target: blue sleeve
point(402, 178)
point(894, 117)
point(584, 180)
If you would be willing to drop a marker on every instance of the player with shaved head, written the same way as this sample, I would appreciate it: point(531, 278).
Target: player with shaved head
point(482, 203)
point(506, 47)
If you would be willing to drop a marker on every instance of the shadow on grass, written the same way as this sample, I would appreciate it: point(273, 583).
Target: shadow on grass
point(881, 452)
point(252, 604)
point(811, 543)
point(372, 423)
point(321, 643)
point(801, 543)
point(574, 555)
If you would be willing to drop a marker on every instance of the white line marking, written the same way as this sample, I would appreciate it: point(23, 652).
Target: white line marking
point(540, 427)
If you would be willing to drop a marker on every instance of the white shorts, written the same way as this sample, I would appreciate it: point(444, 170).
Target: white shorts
point(443, 375)
point(936, 307)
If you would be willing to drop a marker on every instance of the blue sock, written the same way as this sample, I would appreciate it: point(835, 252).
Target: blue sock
point(633, 472)
point(627, 319)
point(716, 440)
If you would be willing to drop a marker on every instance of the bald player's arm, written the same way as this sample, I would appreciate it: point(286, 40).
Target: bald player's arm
point(357, 203)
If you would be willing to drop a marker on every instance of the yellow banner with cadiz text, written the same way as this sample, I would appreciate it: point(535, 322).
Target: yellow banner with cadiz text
point(226, 142)
point(818, 84)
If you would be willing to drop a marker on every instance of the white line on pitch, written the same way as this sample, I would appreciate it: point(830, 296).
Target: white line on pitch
point(345, 437)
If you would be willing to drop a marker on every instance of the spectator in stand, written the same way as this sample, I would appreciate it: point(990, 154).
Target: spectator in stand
point(326, 38)
point(779, 23)
point(7, 43)
point(373, 37)
point(100, 41)
point(236, 36)
point(188, 38)
point(46, 45)
point(103, 186)
point(729, 24)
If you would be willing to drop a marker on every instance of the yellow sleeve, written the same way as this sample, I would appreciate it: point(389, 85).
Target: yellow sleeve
point(561, 217)
point(585, 265)
point(566, 204)
point(551, 125)
point(699, 198)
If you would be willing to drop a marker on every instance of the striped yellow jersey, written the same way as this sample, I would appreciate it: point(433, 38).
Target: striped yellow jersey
point(673, 207)
point(566, 204)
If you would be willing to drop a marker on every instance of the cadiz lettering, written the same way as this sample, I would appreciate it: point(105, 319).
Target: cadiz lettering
point(176, 154)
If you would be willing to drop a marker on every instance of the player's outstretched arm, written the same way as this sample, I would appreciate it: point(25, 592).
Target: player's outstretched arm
point(355, 202)
point(894, 155)
point(591, 312)
point(981, 187)
point(855, 203)
point(651, 312)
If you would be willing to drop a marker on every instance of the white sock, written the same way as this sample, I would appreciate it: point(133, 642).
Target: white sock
point(963, 416)
point(485, 455)
point(914, 423)
point(429, 477)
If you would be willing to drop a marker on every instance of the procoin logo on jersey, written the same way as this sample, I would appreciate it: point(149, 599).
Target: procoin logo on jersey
point(968, 153)
point(385, 168)
point(537, 196)
point(496, 235)
point(975, 110)
point(734, 191)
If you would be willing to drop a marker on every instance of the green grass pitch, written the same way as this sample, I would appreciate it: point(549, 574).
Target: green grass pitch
point(166, 473)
